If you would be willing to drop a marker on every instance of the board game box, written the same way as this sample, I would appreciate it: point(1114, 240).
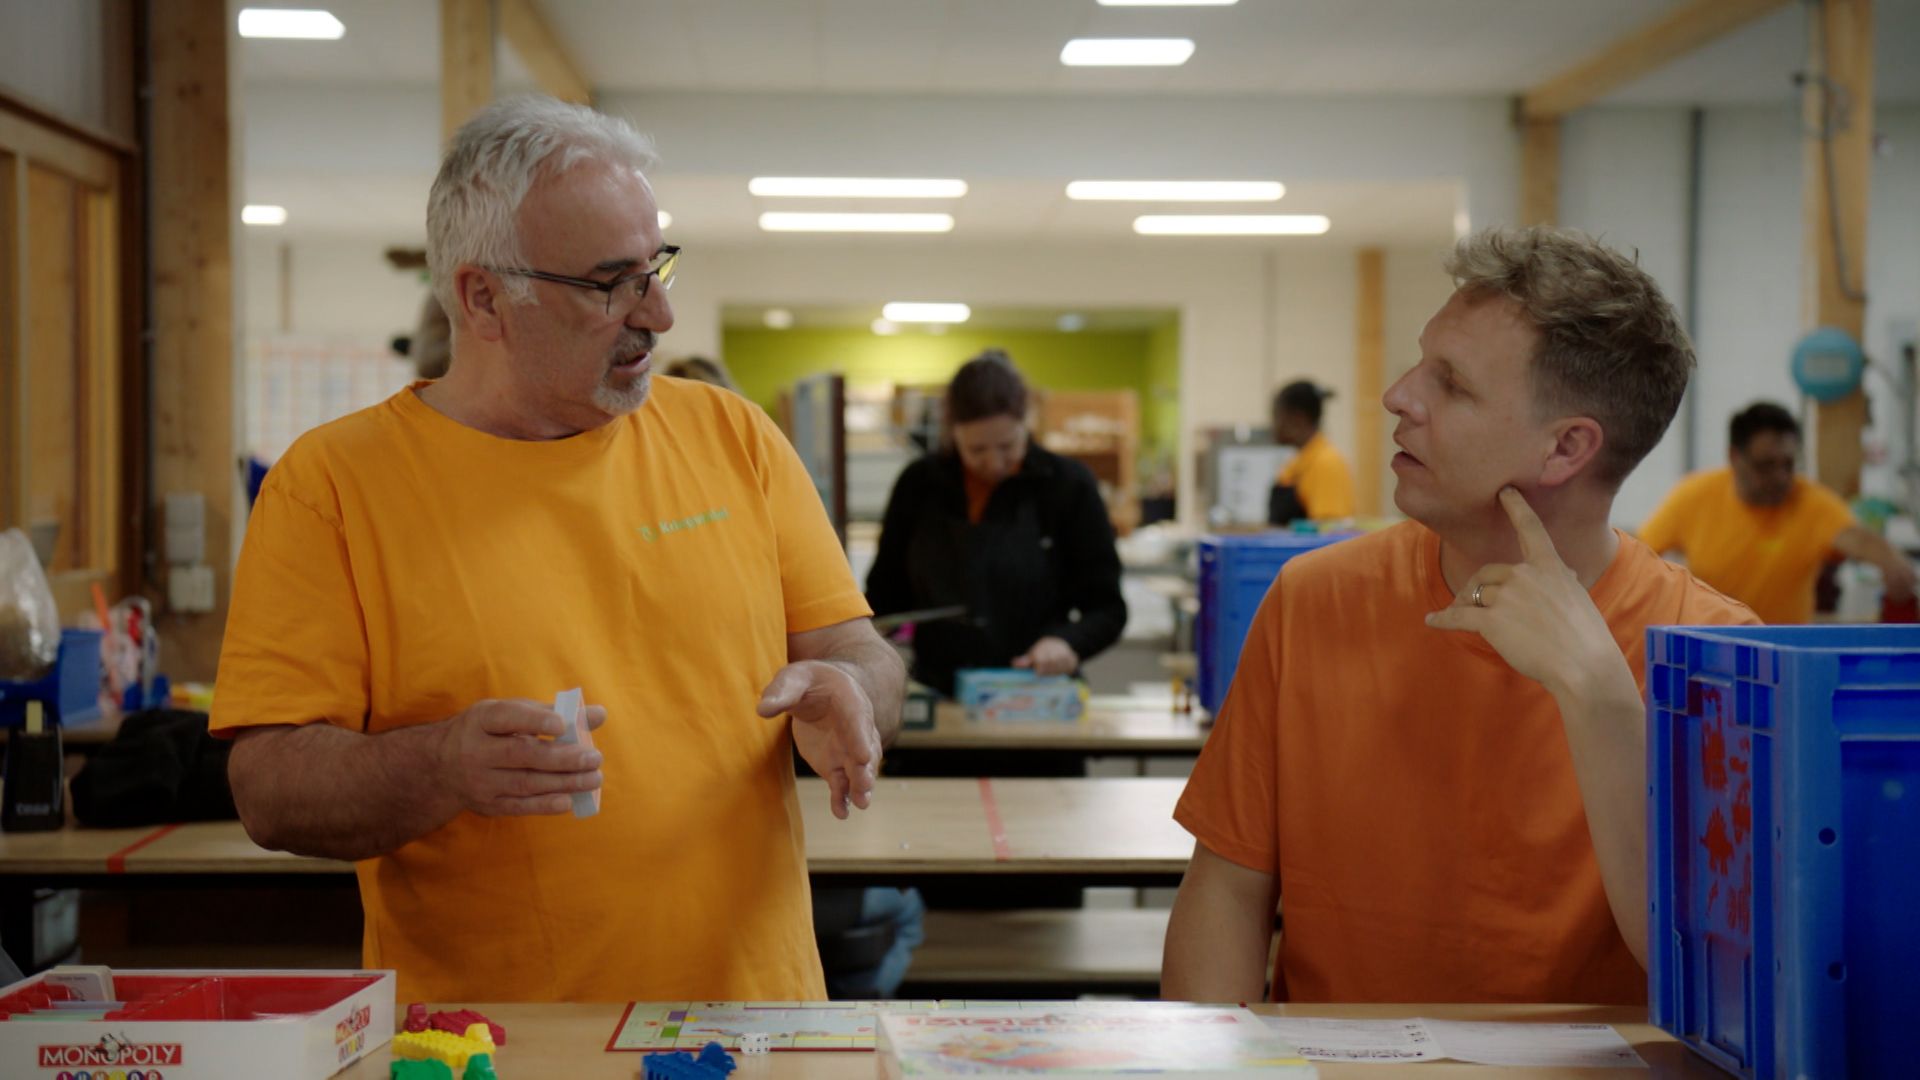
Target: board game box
point(192, 1025)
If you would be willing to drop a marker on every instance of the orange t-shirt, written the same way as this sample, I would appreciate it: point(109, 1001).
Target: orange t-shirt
point(979, 492)
point(1321, 479)
point(1767, 557)
point(1415, 795)
point(400, 566)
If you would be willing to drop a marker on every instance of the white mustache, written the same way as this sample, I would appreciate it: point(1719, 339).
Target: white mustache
point(641, 343)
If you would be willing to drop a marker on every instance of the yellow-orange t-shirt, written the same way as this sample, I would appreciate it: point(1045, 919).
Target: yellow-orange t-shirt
point(400, 566)
point(1414, 795)
point(1767, 557)
point(1319, 476)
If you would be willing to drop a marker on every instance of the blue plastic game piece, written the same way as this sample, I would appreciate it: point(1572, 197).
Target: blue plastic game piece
point(714, 1063)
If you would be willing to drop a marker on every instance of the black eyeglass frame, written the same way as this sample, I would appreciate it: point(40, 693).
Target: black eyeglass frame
point(663, 264)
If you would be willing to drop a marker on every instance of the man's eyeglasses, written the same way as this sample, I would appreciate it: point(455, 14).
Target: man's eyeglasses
point(629, 290)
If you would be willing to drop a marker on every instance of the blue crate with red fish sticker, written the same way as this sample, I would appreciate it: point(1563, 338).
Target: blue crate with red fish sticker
point(1783, 814)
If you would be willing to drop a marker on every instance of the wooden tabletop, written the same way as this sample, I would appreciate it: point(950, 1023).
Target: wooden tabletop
point(1113, 726)
point(1075, 827)
point(569, 1040)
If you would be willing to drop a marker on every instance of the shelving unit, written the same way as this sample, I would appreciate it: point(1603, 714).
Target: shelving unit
point(1101, 430)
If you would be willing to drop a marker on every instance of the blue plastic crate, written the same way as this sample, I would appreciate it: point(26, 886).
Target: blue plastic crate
point(1235, 574)
point(71, 690)
point(1783, 767)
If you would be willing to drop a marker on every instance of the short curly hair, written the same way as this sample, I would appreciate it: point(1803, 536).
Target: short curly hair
point(1611, 346)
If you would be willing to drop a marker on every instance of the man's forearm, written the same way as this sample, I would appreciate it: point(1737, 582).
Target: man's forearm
point(324, 791)
point(876, 667)
point(1606, 732)
point(1868, 546)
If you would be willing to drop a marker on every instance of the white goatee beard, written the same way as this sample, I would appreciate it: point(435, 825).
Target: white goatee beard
point(618, 401)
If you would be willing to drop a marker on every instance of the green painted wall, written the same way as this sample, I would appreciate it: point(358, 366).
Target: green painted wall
point(763, 361)
point(1160, 406)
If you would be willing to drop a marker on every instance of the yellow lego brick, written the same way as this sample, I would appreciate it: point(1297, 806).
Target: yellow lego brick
point(453, 1050)
point(482, 1035)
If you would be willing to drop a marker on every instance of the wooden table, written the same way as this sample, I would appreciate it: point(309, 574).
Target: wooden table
point(569, 1040)
point(1085, 828)
point(1118, 726)
point(1085, 831)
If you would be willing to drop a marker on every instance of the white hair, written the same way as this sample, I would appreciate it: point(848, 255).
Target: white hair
point(493, 161)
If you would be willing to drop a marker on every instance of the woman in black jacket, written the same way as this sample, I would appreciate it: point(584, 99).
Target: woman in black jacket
point(1014, 534)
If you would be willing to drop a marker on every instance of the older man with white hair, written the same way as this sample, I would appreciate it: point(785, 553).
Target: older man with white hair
point(422, 578)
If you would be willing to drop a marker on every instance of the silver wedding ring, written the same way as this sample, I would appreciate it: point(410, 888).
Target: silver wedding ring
point(1476, 601)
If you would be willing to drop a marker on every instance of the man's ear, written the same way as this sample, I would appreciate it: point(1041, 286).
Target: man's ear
point(477, 292)
point(1577, 442)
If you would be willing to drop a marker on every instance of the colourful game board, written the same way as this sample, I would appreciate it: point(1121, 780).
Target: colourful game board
point(789, 1025)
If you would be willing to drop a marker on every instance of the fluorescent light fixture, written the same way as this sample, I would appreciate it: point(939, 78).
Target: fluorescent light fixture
point(885, 328)
point(1231, 224)
point(901, 311)
point(779, 221)
point(1178, 190)
point(1127, 52)
point(1071, 323)
point(263, 215)
point(666, 220)
point(778, 318)
point(853, 187)
point(1168, 3)
point(290, 23)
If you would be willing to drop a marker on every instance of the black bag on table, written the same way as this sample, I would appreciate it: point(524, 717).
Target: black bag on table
point(161, 768)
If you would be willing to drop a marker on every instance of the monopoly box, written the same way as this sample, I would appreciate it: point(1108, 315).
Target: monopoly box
point(95, 1024)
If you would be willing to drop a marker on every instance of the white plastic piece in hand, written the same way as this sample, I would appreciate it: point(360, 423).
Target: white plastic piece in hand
point(574, 716)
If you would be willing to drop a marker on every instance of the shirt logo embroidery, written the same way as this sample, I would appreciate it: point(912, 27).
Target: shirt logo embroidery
point(660, 530)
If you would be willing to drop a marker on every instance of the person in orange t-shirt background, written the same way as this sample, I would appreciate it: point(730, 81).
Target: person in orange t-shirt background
point(421, 578)
point(1432, 756)
point(1316, 485)
point(1760, 532)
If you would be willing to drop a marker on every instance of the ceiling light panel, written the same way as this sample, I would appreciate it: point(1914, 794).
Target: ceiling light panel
point(1231, 224)
point(854, 187)
point(1178, 190)
point(779, 221)
point(290, 24)
point(1127, 52)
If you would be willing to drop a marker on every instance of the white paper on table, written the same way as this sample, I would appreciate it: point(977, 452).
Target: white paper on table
point(1356, 1040)
point(569, 705)
point(1564, 1045)
point(1360, 1041)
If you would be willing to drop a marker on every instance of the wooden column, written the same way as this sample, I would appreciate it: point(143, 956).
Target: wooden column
point(190, 170)
point(466, 61)
point(1660, 42)
point(1539, 171)
point(1369, 381)
point(527, 33)
point(1654, 45)
point(1834, 212)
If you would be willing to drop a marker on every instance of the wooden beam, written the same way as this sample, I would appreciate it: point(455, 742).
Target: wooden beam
point(1369, 380)
point(1539, 172)
point(527, 32)
point(190, 168)
point(466, 61)
point(1666, 39)
point(1833, 212)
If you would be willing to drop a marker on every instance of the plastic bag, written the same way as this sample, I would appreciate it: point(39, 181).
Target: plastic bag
point(29, 622)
